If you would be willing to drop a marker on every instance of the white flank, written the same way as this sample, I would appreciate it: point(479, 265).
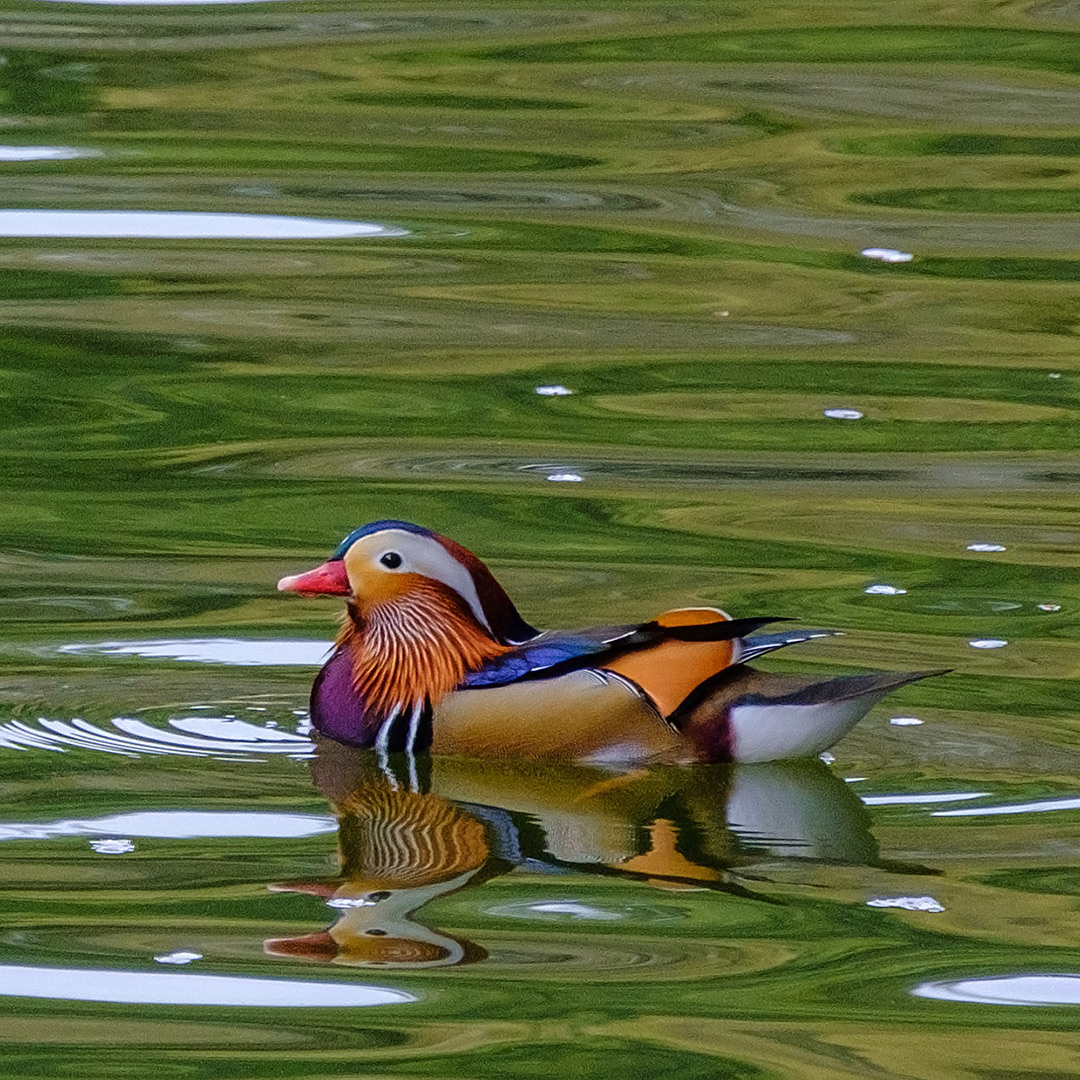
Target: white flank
point(775, 732)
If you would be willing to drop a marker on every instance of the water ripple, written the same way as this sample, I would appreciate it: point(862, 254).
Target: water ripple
point(815, 91)
point(923, 473)
point(624, 959)
point(219, 737)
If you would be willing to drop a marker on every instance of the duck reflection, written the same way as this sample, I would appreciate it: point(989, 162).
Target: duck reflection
point(417, 829)
point(399, 849)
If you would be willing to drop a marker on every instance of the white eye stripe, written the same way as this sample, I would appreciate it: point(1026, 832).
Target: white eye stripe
point(425, 555)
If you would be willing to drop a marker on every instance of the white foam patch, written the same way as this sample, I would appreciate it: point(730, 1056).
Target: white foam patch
point(888, 255)
point(113, 846)
point(906, 903)
point(179, 958)
point(556, 909)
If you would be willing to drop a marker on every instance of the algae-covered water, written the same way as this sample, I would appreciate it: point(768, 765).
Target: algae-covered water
point(799, 287)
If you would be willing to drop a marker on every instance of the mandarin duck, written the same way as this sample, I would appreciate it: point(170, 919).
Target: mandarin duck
point(434, 656)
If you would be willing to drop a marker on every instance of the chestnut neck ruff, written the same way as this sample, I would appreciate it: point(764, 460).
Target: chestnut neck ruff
point(414, 649)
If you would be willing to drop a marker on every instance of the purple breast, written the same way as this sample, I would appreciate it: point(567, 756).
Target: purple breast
point(337, 708)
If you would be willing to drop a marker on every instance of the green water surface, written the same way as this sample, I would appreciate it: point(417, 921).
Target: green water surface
point(661, 208)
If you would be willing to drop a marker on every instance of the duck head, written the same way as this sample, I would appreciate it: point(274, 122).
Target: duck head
point(422, 611)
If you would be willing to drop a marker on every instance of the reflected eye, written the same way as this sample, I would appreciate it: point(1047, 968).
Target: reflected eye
point(391, 560)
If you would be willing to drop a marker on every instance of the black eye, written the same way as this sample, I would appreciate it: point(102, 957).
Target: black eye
point(391, 560)
point(377, 896)
point(376, 933)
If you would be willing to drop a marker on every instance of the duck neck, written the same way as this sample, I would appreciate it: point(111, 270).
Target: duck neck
point(414, 650)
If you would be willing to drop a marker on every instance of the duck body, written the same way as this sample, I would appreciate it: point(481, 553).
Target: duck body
point(433, 656)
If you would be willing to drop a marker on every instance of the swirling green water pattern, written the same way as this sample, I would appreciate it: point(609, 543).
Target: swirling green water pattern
point(658, 210)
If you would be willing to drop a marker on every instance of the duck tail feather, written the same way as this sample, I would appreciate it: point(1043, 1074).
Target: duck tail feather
point(721, 630)
point(846, 687)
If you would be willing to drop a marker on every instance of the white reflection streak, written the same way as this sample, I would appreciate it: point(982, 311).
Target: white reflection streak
point(915, 800)
point(1017, 808)
point(235, 730)
point(44, 153)
point(234, 651)
point(177, 825)
point(168, 988)
point(182, 225)
point(1006, 990)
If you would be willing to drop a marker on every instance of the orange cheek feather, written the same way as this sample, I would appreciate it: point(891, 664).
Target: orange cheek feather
point(374, 587)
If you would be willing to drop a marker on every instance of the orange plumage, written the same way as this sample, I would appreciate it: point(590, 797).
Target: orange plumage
point(414, 648)
point(434, 655)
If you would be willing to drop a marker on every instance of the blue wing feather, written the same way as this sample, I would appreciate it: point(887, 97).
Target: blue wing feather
point(547, 651)
point(562, 651)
